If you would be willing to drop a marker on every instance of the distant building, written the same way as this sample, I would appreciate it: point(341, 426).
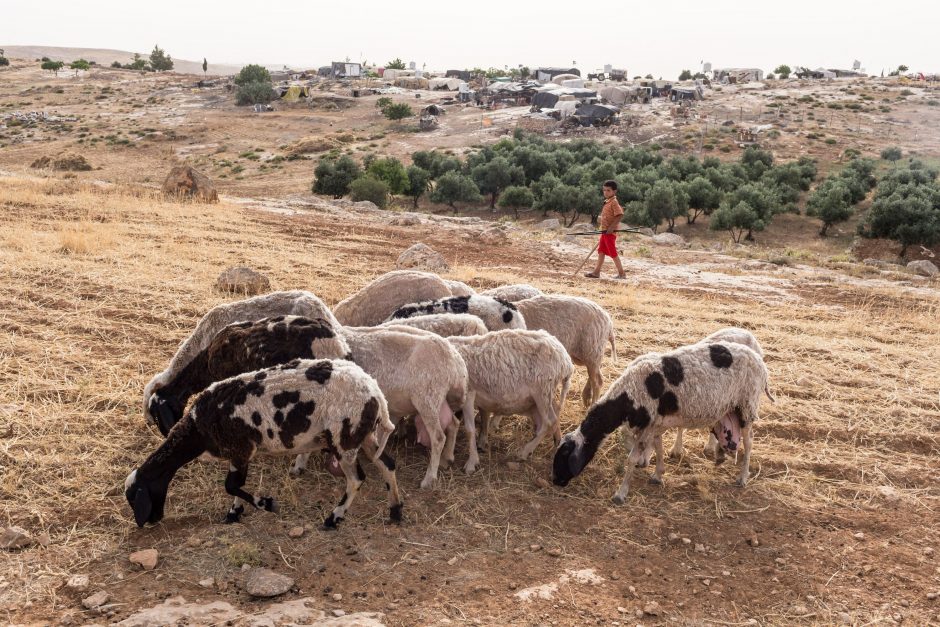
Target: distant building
point(341, 69)
point(737, 75)
point(545, 74)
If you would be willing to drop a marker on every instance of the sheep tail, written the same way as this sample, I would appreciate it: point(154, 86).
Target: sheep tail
point(383, 430)
point(769, 395)
point(565, 385)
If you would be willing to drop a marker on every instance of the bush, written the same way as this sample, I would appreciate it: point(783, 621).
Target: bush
point(703, 198)
point(4, 61)
point(398, 111)
point(737, 220)
point(383, 102)
point(391, 172)
point(254, 93)
point(495, 176)
point(891, 154)
point(831, 202)
point(419, 182)
point(666, 200)
point(686, 75)
point(783, 71)
point(395, 64)
point(371, 189)
point(80, 64)
point(160, 61)
point(452, 188)
point(252, 74)
point(516, 197)
point(52, 66)
point(906, 207)
point(334, 176)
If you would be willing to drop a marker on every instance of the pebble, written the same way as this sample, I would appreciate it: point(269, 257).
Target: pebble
point(208, 582)
point(905, 603)
point(338, 613)
point(43, 539)
point(296, 532)
point(859, 536)
point(337, 597)
point(622, 610)
point(535, 547)
point(512, 465)
point(652, 608)
point(726, 573)
point(452, 561)
point(931, 596)
point(800, 609)
point(928, 551)
point(674, 537)
point(146, 559)
point(780, 561)
point(753, 541)
point(699, 548)
point(647, 572)
point(78, 583)
point(542, 482)
point(263, 582)
point(513, 585)
point(96, 600)
point(632, 590)
point(686, 541)
point(14, 538)
point(554, 552)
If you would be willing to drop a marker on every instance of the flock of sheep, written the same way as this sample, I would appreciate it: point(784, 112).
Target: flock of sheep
point(282, 374)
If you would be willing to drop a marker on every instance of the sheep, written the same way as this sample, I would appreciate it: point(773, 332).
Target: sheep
point(513, 371)
point(735, 335)
point(496, 314)
point(444, 325)
point(379, 299)
point(297, 407)
point(458, 288)
point(419, 373)
point(243, 347)
point(582, 326)
point(513, 293)
point(687, 387)
point(298, 303)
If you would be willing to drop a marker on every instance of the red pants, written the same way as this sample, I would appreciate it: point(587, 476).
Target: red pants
point(608, 245)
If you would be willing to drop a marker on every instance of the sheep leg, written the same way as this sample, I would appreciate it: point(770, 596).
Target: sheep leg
point(676, 451)
point(300, 464)
point(470, 427)
point(386, 466)
point(621, 495)
point(487, 422)
point(429, 416)
point(237, 475)
point(711, 447)
point(354, 478)
point(747, 436)
point(451, 441)
point(586, 399)
point(657, 477)
point(546, 422)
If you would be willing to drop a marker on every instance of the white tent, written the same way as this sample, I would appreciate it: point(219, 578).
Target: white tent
point(449, 84)
point(561, 78)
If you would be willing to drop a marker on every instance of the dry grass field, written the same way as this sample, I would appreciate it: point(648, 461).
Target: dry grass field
point(838, 524)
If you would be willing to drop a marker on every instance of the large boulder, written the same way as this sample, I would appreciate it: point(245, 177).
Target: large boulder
point(422, 257)
point(69, 162)
point(494, 236)
point(923, 267)
point(184, 181)
point(262, 582)
point(244, 281)
point(668, 239)
point(548, 225)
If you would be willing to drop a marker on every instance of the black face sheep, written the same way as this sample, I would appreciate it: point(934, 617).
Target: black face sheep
point(297, 407)
point(243, 347)
point(495, 314)
point(444, 325)
point(379, 299)
point(297, 303)
point(713, 386)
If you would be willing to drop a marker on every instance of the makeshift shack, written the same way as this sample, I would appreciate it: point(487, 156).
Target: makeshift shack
point(546, 74)
point(341, 69)
point(735, 75)
point(463, 75)
point(444, 84)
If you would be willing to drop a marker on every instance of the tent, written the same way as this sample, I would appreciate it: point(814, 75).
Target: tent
point(572, 82)
point(463, 75)
point(595, 114)
point(445, 84)
point(561, 78)
point(545, 74)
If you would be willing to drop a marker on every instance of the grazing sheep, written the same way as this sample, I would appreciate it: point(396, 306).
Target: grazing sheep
point(444, 325)
point(458, 288)
point(687, 387)
point(583, 328)
point(419, 373)
point(513, 371)
point(379, 299)
point(735, 335)
point(297, 407)
point(513, 293)
point(496, 314)
point(297, 303)
point(244, 347)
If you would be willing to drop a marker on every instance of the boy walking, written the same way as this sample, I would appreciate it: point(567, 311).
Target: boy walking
point(610, 220)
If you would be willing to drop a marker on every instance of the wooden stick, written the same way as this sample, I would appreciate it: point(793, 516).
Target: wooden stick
point(586, 259)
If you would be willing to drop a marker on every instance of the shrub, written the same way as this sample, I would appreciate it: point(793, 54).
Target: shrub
point(52, 66)
point(495, 176)
point(516, 197)
point(666, 200)
point(4, 61)
point(831, 202)
point(252, 74)
point(452, 188)
point(783, 71)
point(686, 75)
point(736, 219)
point(891, 154)
point(254, 93)
point(398, 111)
point(395, 64)
point(334, 176)
point(703, 198)
point(391, 172)
point(419, 182)
point(371, 189)
point(160, 61)
point(383, 102)
point(906, 207)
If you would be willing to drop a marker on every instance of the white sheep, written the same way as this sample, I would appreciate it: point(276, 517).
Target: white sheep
point(297, 407)
point(380, 298)
point(495, 314)
point(706, 385)
point(419, 373)
point(513, 293)
point(735, 335)
point(444, 325)
point(513, 371)
point(582, 326)
point(458, 288)
point(244, 347)
point(297, 303)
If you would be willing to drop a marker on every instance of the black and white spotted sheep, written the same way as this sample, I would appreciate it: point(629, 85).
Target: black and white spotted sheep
point(513, 293)
point(382, 296)
point(735, 335)
point(714, 386)
point(496, 314)
point(296, 303)
point(445, 325)
point(244, 347)
point(298, 407)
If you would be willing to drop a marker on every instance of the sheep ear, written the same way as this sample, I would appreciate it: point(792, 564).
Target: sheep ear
point(142, 506)
point(161, 410)
point(575, 456)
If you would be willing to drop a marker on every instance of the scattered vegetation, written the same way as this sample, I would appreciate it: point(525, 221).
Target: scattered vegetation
point(369, 188)
point(906, 207)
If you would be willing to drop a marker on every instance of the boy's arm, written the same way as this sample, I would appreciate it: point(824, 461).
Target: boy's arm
point(614, 223)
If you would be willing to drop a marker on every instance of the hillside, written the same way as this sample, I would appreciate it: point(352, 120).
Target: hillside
point(105, 56)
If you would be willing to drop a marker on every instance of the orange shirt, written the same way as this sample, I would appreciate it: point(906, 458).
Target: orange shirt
point(611, 211)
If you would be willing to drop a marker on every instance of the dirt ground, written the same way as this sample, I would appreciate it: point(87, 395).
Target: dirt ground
point(103, 278)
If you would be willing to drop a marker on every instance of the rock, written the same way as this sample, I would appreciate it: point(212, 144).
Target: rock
point(176, 610)
point(296, 532)
point(14, 538)
point(78, 583)
point(889, 494)
point(365, 206)
point(406, 219)
point(878, 263)
point(932, 596)
point(96, 600)
point(262, 582)
point(753, 541)
point(845, 618)
point(338, 613)
point(668, 239)
point(208, 582)
point(494, 236)
point(422, 257)
point(547, 225)
point(800, 610)
point(652, 609)
point(146, 559)
point(923, 267)
point(452, 561)
point(184, 181)
point(243, 281)
point(928, 551)
point(686, 541)
point(337, 597)
point(859, 536)
point(43, 539)
point(674, 538)
point(699, 548)
point(69, 162)
point(554, 552)
point(542, 482)
point(513, 465)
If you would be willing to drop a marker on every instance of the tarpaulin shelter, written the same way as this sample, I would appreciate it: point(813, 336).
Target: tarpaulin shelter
point(545, 74)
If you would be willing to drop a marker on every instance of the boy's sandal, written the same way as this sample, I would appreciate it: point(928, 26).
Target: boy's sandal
point(621, 276)
point(592, 275)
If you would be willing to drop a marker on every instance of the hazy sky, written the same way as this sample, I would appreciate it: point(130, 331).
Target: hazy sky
point(660, 37)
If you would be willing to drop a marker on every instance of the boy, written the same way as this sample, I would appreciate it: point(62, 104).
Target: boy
point(610, 220)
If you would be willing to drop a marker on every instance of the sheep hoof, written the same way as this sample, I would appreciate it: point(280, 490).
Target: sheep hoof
point(741, 482)
point(296, 472)
point(394, 514)
point(470, 468)
point(674, 454)
point(428, 483)
point(618, 500)
point(234, 515)
point(656, 480)
point(331, 522)
point(268, 503)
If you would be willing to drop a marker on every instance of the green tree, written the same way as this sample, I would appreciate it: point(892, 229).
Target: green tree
point(666, 200)
point(831, 202)
point(4, 61)
point(516, 197)
point(737, 220)
point(902, 68)
point(52, 66)
point(371, 189)
point(205, 66)
point(160, 61)
point(783, 71)
point(79, 64)
point(703, 198)
point(395, 64)
point(495, 176)
point(891, 154)
point(756, 161)
point(254, 93)
point(419, 182)
point(138, 63)
point(398, 111)
point(334, 176)
point(452, 188)
point(686, 75)
point(252, 74)
point(383, 102)
point(906, 207)
point(392, 173)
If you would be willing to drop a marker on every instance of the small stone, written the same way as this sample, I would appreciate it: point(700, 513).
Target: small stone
point(638, 613)
point(263, 582)
point(780, 561)
point(14, 538)
point(452, 561)
point(542, 482)
point(622, 610)
point(351, 551)
point(96, 600)
point(889, 494)
point(208, 582)
point(146, 559)
point(699, 548)
point(337, 596)
point(859, 536)
point(614, 576)
point(726, 573)
point(338, 613)
point(753, 541)
point(928, 551)
point(78, 583)
point(800, 609)
point(905, 603)
point(517, 551)
point(674, 537)
point(43, 539)
point(845, 618)
point(686, 541)
point(296, 532)
point(632, 590)
point(706, 582)
point(420, 256)
point(931, 596)
point(513, 465)
point(652, 608)
point(535, 547)
point(554, 552)
point(647, 572)
point(513, 585)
